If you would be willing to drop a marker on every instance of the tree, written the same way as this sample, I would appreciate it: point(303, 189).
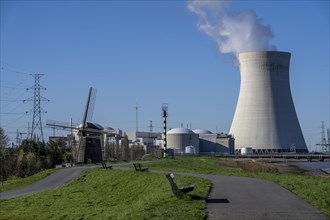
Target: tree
point(4, 141)
point(33, 165)
point(37, 152)
point(125, 148)
point(22, 164)
point(55, 152)
point(137, 152)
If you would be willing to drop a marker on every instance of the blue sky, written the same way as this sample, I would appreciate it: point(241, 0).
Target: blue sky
point(150, 52)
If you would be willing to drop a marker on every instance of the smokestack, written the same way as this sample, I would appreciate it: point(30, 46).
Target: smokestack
point(265, 117)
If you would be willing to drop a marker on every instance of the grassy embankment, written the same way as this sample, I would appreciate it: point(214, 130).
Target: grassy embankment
point(314, 189)
point(21, 182)
point(100, 193)
point(111, 194)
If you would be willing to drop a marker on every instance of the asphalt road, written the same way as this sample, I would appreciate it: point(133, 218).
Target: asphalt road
point(55, 180)
point(235, 198)
point(231, 198)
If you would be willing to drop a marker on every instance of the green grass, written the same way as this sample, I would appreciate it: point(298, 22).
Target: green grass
point(314, 189)
point(21, 182)
point(115, 194)
point(111, 194)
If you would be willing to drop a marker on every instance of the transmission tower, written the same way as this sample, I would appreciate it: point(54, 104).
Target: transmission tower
point(37, 110)
point(324, 145)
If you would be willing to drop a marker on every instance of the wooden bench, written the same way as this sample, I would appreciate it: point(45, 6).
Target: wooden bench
point(178, 191)
point(138, 167)
point(105, 166)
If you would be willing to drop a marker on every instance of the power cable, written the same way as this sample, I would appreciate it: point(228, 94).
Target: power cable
point(26, 71)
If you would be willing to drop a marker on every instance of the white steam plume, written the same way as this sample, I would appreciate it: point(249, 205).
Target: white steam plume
point(234, 32)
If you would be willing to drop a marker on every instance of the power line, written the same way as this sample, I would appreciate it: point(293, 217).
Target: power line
point(11, 113)
point(13, 121)
point(16, 107)
point(12, 67)
point(11, 87)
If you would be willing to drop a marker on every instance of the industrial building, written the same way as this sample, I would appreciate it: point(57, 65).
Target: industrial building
point(111, 135)
point(148, 140)
point(218, 143)
point(182, 140)
point(265, 118)
point(199, 142)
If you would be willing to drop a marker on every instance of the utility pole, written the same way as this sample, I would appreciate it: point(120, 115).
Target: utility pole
point(17, 138)
point(37, 110)
point(328, 133)
point(136, 117)
point(165, 115)
point(150, 126)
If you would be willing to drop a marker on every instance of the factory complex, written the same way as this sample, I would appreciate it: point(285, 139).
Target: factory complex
point(181, 140)
point(265, 120)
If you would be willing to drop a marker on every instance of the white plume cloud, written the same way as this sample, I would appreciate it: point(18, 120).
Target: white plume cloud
point(234, 32)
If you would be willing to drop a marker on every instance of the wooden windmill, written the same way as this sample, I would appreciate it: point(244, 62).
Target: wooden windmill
point(88, 148)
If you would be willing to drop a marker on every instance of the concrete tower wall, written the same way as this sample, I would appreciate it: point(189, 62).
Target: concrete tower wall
point(265, 117)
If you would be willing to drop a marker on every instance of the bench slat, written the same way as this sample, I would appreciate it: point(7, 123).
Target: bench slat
point(138, 167)
point(178, 192)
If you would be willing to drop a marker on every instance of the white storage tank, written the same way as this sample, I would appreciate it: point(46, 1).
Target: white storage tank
point(246, 151)
point(180, 138)
point(190, 150)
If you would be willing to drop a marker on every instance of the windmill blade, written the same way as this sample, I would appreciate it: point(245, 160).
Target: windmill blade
point(90, 110)
point(65, 126)
point(89, 105)
point(61, 125)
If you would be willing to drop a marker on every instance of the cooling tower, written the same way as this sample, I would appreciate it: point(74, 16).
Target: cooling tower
point(265, 118)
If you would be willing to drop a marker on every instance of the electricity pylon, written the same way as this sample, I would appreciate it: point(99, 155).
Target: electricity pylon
point(37, 110)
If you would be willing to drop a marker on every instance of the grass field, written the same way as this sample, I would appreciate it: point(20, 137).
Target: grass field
point(115, 194)
point(111, 194)
point(21, 182)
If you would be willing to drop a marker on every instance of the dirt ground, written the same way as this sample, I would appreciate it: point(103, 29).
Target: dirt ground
point(267, 165)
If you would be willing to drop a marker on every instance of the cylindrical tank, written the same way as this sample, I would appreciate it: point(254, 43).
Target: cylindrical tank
point(179, 138)
point(265, 116)
point(205, 145)
point(190, 150)
point(202, 131)
point(246, 150)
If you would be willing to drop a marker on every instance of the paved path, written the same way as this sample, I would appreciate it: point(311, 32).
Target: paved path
point(231, 198)
point(238, 198)
point(247, 198)
point(55, 180)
